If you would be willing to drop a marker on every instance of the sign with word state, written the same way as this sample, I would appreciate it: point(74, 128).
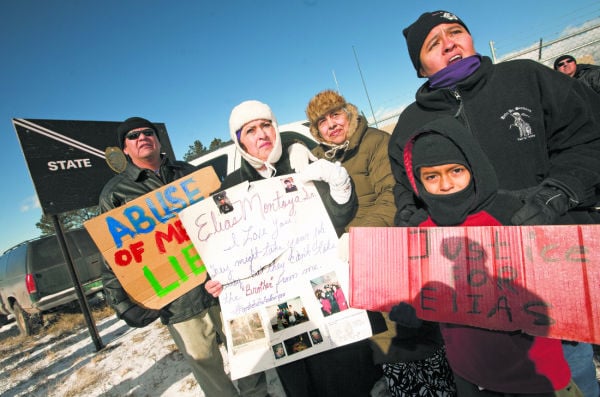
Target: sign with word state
point(67, 159)
point(273, 247)
point(146, 246)
point(542, 280)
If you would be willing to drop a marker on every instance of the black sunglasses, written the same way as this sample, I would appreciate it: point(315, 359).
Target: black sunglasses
point(132, 136)
point(563, 63)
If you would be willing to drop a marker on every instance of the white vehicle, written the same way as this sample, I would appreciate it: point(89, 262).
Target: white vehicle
point(225, 160)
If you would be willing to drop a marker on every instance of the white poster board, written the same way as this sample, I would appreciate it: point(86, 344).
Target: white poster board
point(274, 249)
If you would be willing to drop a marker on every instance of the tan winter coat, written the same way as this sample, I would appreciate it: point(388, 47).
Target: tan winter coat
point(366, 160)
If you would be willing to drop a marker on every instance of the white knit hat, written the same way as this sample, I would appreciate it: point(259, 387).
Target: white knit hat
point(246, 112)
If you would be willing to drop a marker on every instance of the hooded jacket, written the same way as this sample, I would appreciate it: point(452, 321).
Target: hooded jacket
point(508, 362)
point(122, 188)
point(366, 160)
point(531, 122)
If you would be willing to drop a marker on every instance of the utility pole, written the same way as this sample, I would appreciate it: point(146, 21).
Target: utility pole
point(337, 87)
point(493, 51)
point(365, 86)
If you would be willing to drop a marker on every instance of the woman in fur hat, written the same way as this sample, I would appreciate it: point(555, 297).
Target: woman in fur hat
point(345, 136)
point(409, 365)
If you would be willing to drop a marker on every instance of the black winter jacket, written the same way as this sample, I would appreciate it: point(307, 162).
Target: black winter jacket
point(589, 75)
point(531, 122)
point(122, 188)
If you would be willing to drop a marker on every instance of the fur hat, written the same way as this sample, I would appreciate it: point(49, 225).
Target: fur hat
point(131, 124)
point(416, 33)
point(562, 58)
point(321, 104)
point(249, 111)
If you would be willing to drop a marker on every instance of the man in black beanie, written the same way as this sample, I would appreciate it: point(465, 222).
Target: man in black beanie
point(133, 124)
point(586, 73)
point(416, 33)
point(194, 319)
point(538, 128)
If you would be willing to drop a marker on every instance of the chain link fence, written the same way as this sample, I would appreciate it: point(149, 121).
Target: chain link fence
point(582, 43)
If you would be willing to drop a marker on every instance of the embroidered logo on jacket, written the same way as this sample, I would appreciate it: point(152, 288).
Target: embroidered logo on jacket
point(517, 117)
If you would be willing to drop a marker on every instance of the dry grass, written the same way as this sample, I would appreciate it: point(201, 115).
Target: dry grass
point(56, 324)
point(86, 378)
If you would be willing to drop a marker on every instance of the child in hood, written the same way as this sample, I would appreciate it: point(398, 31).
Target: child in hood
point(457, 186)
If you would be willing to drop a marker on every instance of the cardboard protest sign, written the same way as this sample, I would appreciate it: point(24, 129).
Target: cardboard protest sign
point(543, 280)
point(146, 246)
point(272, 246)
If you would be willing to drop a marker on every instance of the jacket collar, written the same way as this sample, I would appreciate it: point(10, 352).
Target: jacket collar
point(444, 98)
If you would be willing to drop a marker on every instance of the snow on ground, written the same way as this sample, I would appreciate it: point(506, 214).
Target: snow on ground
point(134, 362)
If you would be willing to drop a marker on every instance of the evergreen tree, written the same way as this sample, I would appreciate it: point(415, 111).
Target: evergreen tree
point(69, 220)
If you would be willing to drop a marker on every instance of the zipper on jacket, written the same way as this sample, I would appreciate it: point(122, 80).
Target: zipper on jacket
point(456, 94)
point(460, 113)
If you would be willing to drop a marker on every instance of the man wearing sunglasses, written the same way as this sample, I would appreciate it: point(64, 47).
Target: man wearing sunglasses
point(586, 73)
point(194, 318)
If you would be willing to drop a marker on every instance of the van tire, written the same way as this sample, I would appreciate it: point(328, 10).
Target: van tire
point(26, 322)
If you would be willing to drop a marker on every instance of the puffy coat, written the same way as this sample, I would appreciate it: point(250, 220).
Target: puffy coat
point(366, 160)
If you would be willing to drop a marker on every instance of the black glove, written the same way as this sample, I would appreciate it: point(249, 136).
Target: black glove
point(139, 317)
point(543, 206)
point(410, 215)
point(405, 315)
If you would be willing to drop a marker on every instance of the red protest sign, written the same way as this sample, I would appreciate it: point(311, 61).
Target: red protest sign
point(146, 245)
point(539, 279)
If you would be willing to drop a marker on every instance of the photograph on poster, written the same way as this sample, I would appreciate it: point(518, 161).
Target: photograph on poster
point(297, 343)
point(223, 202)
point(315, 336)
point(246, 329)
point(287, 314)
point(278, 351)
point(329, 294)
point(289, 185)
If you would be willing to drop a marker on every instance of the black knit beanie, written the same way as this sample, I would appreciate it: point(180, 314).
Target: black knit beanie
point(416, 33)
point(131, 124)
point(431, 149)
point(562, 58)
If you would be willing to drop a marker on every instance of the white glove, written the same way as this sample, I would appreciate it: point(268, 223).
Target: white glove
point(334, 174)
point(300, 156)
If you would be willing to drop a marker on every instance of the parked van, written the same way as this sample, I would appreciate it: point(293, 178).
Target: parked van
point(227, 159)
point(34, 276)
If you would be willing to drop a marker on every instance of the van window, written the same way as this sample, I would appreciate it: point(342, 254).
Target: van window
point(16, 262)
point(45, 253)
point(81, 240)
point(3, 261)
point(219, 164)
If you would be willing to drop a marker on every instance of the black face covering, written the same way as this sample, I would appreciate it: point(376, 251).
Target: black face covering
point(432, 149)
point(449, 209)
